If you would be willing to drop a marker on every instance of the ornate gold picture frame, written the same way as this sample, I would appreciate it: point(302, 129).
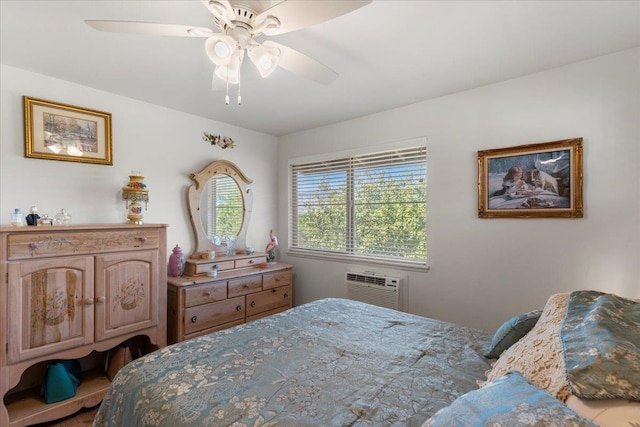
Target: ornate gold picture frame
point(531, 181)
point(56, 131)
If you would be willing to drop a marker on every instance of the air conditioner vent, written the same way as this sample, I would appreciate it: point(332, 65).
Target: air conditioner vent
point(366, 278)
point(374, 289)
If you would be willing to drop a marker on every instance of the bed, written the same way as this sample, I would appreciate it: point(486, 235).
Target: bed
point(337, 362)
point(329, 362)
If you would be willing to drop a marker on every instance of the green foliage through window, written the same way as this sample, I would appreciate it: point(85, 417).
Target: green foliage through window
point(371, 205)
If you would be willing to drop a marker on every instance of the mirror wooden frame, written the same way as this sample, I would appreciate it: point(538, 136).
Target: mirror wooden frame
point(194, 194)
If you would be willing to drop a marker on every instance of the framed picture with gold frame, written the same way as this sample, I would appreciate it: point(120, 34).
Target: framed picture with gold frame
point(531, 181)
point(57, 131)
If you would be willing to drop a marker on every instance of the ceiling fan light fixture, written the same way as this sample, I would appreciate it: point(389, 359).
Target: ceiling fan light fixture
point(230, 72)
point(220, 49)
point(266, 60)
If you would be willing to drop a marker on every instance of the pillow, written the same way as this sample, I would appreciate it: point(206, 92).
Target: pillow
point(508, 401)
point(511, 331)
point(538, 355)
point(607, 412)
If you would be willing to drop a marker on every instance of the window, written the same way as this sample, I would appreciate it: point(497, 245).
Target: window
point(370, 206)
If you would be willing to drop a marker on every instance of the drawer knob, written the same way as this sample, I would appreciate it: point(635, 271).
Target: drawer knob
point(253, 304)
point(250, 261)
point(88, 301)
point(34, 245)
point(142, 239)
point(239, 308)
point(101, 299)
point(277, 279)
point(273, 290)
point(194, 319)
point(206, 294)
point(286, 295)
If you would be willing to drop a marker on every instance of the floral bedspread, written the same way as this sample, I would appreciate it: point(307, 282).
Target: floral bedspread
point(332, 362)
point(601, 346)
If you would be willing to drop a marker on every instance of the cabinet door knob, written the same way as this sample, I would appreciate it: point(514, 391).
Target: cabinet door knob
point(239, 308)
point(253, 304)
point(194, 319)
point(88, 301)
point(101, 299)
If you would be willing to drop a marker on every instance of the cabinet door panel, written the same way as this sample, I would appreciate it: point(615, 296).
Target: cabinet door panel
point(50, 306)
point(126, 293)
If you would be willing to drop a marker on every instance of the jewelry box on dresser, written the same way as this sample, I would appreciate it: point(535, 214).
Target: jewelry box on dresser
point(75, 292)
point(225, 283)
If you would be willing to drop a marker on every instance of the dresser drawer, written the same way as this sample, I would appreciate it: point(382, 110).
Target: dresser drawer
point(244, 286)
point(268, 300)
point(195, 267)
point(216, 313)
point(215, 329)
point(274, 280)
point(57, 242)
point(203, 294)
point(250, 262)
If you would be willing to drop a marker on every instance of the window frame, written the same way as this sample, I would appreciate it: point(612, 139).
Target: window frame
point(405, 264)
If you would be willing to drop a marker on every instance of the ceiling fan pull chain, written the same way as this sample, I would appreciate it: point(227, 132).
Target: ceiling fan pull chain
point(226, 96)
point(239, 97)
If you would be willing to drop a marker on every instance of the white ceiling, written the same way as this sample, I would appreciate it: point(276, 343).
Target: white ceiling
point(387, 54)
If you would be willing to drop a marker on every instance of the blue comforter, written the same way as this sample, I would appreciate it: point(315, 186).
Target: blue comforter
point(329, 362)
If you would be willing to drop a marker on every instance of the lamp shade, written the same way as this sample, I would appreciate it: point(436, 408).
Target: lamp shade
point(231, 71)
point(220, 49)
point(265, 59)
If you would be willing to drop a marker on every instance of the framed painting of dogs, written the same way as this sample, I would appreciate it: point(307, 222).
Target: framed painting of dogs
point(531, 181)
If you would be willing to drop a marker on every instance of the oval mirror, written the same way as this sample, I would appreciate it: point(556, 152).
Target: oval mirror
point(219, 206)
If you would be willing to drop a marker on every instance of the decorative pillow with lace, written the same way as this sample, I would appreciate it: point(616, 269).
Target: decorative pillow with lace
point(538, 355)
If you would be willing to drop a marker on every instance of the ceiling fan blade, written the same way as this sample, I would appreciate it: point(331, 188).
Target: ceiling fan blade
point(301, 64)
point(222, 10)
point(294, 15)
point(150, 28)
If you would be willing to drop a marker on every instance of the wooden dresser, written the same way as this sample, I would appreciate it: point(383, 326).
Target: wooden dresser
point(246, 288)
point(74, 292)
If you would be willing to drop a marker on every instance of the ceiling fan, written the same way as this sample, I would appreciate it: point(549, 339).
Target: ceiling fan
point(238, 26)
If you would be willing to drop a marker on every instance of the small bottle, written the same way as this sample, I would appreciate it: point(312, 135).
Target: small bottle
point(62, 218)
point(16, 218)
point(176, 262)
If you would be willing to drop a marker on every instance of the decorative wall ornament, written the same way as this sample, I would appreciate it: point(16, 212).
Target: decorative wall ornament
point(219, 140)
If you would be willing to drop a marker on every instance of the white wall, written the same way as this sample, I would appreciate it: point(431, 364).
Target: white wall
point(485, 270)
point(482, 271)
point(165, 145)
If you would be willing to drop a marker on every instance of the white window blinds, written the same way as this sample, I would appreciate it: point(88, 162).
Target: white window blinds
point(371, 205)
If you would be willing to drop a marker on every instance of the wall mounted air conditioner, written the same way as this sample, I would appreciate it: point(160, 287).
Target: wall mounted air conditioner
point(376, 289)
